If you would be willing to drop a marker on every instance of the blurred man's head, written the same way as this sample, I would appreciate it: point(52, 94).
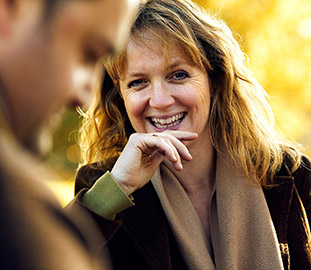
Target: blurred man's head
point(48, 51)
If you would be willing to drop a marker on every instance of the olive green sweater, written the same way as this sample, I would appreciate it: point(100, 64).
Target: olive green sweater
point(106, 197)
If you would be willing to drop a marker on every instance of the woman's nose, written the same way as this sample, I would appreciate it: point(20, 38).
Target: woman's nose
point(160, 96)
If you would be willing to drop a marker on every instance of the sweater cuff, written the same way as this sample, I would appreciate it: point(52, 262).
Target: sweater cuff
point(106, 197)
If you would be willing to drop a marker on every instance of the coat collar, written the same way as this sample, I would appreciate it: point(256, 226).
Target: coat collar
point(279, 200)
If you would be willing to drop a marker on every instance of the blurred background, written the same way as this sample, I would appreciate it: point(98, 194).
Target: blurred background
point(276, 36)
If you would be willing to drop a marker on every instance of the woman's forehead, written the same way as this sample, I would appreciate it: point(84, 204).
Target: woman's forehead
point(167, 47)
point(152, 40)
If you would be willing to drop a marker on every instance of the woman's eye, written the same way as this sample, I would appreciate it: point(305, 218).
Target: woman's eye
point(180, 75)
point(136, 83)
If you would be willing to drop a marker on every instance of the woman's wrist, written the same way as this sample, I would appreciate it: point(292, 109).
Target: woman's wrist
point(127, 189)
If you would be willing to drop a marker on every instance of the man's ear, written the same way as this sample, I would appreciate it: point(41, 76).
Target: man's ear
point(7, 10)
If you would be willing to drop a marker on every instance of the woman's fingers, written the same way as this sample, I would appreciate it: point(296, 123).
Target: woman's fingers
point(168, 144)
point(171, 153)
point(176, 139)
point(181, 135)
point(144, 152)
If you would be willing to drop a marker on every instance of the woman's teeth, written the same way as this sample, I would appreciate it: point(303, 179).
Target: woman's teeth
point(167, 122)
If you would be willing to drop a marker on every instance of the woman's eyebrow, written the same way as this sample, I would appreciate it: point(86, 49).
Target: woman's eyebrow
point(177, 61)
point(133, 74)
point(171, 64)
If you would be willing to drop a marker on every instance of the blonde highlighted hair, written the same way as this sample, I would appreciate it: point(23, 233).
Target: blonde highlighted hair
point(240, 115)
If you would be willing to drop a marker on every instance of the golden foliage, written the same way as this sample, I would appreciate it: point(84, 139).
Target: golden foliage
point(276, 36)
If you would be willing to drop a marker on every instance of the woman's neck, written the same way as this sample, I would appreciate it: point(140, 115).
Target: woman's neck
point(198, 179)
point(198, 174)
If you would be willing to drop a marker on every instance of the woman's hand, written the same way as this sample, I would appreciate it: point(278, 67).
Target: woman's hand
point(144, 152)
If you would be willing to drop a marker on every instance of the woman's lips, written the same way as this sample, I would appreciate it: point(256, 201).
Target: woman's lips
point(166, 123)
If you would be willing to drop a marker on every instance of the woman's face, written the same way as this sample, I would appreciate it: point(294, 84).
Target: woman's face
point(164, 93)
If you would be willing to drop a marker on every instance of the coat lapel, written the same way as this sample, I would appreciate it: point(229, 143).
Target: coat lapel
point(147, 226)
point(279, 201)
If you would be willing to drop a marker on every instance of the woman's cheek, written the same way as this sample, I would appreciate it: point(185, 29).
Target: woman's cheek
point(135, 106)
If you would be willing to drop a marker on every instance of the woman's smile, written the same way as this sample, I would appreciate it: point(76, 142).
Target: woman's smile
point(167, 122)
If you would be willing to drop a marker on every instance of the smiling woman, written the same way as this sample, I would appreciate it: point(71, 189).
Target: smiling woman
point(181, 126)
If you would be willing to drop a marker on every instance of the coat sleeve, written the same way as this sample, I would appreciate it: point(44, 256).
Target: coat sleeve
point(85, 179)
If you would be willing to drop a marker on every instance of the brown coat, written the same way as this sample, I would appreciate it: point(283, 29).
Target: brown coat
point(141, 238)
point(36, 233)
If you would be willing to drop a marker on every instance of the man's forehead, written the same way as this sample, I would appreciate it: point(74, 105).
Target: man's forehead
point(115, 18)
point(109, 19)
